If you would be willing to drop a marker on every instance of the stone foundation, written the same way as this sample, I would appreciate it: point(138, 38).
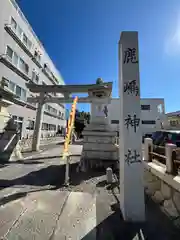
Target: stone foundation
point(99, 145)
point(164, 189)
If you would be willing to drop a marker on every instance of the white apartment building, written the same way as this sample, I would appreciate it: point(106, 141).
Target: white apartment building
point(152, 114)
point(23, 59)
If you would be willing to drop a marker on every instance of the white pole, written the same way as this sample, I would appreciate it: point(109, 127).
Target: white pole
point(131, 168)
point(67, 171)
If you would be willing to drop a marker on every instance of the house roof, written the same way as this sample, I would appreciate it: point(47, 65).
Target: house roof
point(171, 114)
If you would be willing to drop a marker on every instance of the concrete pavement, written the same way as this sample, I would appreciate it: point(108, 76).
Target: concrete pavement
point(34, 204)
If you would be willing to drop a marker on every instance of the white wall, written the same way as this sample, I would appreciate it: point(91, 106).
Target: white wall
point(8, 10)
point(151, 114)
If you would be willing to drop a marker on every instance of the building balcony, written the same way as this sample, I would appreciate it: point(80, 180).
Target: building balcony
point(4, 59)
point(8, 28)
point(36, 61)
point(48, 75)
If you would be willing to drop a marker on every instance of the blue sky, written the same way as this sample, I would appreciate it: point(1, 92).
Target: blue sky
point(81, 37)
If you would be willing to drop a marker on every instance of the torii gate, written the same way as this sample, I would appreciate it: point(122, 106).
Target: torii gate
point(66, 90)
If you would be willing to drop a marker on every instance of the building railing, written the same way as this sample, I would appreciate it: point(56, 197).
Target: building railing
point(168, 155)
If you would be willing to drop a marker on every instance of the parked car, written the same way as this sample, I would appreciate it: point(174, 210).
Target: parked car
point(160, 138)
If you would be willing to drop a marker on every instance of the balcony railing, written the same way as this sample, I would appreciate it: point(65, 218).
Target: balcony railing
point(8, 28)
point(36, 62)
point(4, 59)
point(48, 75)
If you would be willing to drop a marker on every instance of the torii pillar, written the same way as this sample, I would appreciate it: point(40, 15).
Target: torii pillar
point(38, 124)
point(131, 168)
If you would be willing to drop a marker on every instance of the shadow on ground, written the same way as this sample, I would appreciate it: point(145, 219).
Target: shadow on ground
point(52, 176)
point(156, 227)
point(18, 195)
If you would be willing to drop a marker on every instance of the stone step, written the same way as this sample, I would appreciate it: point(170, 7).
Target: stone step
point(99, 139)
point(101, 155)
point(108, 147)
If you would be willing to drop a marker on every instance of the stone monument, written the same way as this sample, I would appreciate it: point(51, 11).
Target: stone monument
point(131, 168)
point(8, 128)
point(99, 139)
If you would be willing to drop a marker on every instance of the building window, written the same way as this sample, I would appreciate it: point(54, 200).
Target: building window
point(24, 39)
point(114, 121)
point(18, 91)
point(145, 107)
point(9, 53)
point(150, 122)
point(13, 23)
point(23, 66)
point(15, 59)
point(37, 56)
point(19, 32)
point(174, 123)
point(23, 94)
point(35, 77)
point(47, 69)
point(29, 44)
point(11, 86)
point(160, 109)
point(30, 125)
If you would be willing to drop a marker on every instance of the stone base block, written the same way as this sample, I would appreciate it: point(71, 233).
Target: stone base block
point(100, 147)
point(166, 190)
point(158, 197)
point(101, 155)
point(170, 208)
point(176, 200)
point(100, 139)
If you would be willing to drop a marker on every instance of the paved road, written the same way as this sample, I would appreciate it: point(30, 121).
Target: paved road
point(34, 204)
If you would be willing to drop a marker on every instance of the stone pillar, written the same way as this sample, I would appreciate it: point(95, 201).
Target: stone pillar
point(148, 144)
point(131, 168)
point(169, 157)
point(38, 124)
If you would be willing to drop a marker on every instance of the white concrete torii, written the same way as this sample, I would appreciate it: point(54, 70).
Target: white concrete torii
point(66, 90)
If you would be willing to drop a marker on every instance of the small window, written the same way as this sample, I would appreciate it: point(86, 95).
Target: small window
point(148, 122)
point(29, 44)
point(23, 66)
point(19, 32)
point(33, 75)
point(14, 117)
point(11, 86)
point(9, 52)
point(145, 107)
point(18, 91)
point(15, 59)
point(20, 119)
point(23, 94)
point(37, 56)
point(114, 121)
point(37, 78)
point(30, 125)
point(13, 23)
point(25, 39)
point(160, 108)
